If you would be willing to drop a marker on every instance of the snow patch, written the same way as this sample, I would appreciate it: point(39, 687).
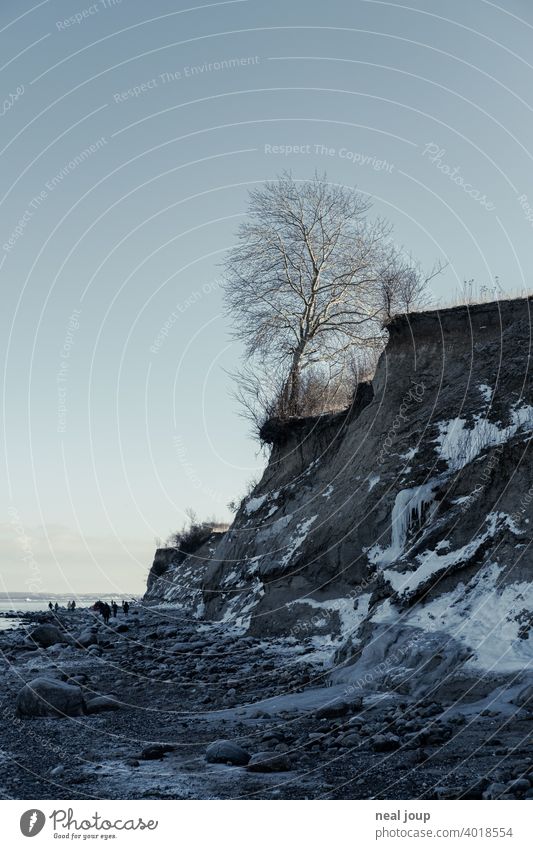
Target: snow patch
point(299, 537)
point(459, 445)
point(416, 503)
point(484, 618)
point(486, 392)
point(432, 562)
point(254, 504)
point(372, 481)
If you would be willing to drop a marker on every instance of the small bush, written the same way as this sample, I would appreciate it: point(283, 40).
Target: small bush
point(195, 533)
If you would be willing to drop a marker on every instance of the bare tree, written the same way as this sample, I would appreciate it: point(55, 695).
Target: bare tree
point(312, 279)
point(301, 281)
point(403, 285)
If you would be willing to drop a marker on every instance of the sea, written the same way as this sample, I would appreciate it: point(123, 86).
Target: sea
point(14, 605)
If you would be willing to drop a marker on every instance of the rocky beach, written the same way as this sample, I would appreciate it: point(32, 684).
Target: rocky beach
point(157, 706)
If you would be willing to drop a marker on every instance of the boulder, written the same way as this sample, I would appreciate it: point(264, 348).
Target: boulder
point(269, 762)
point(100, 703)
point(48, 697)
point(385, 742)
point(333, 710)
point(226, 752)
point(46, 636)
point(87, 638)
point(155, 751)
point(525, 697)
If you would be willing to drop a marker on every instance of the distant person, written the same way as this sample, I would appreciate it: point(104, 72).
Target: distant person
point(73, 605)
point(56, 607)
point(106, 612)
point(125, 607)
point(114, 608)
point(50, 605)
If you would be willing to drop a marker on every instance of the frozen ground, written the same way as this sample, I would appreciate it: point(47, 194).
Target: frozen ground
point(182, 685)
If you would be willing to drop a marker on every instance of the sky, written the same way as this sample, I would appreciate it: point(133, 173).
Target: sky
point(130, 135)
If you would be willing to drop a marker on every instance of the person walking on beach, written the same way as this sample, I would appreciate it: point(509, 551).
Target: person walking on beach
point(106, 612)
point(56, 607)
point(125, 607)
point(73, 605)
point(50, 605)
point(114, 607)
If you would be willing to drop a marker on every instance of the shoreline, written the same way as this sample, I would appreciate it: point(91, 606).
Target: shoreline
point(157, 689)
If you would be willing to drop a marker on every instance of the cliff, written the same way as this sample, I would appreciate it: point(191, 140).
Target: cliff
point(396, 533)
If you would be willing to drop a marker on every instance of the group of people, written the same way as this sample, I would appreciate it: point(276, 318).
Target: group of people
point(106, 610)
point(71, 605)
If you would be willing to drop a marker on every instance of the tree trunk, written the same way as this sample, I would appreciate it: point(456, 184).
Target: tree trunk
point(291, 391)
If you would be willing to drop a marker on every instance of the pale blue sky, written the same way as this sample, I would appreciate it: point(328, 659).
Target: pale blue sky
point(132, 236)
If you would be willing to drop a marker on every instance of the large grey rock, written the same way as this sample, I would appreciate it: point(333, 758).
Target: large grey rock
point(385, 742)
point(525, 697)
point(101, 703)
point(333, 710)
point(48, 697)
point(46, 636)
point(87, 638)
point(156, 751)
point(269, 762)
point(226, 751)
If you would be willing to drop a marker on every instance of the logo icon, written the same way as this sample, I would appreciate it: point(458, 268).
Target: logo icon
point(32, 822)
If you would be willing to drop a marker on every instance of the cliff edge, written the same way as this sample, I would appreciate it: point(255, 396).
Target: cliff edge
point(398, 531)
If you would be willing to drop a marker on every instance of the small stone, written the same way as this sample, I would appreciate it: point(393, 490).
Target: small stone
point(385, 742)
point(495, 791)
point(155, 751)
point(57, 771)
point(519, 785)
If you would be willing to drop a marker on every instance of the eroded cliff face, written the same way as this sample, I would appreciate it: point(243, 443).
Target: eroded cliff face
point(398, 533)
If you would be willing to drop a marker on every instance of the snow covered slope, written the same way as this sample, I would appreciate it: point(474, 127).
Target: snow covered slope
point(398, 533)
